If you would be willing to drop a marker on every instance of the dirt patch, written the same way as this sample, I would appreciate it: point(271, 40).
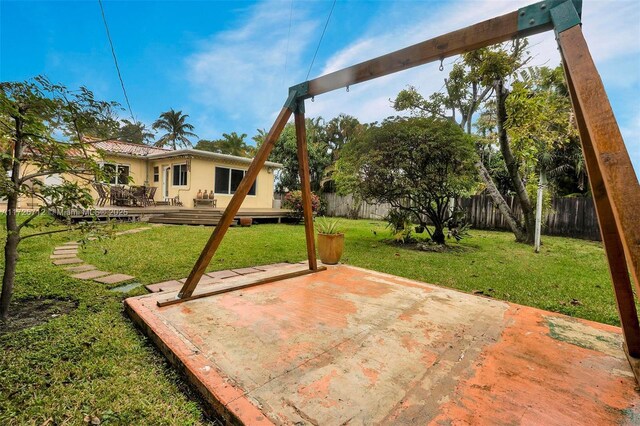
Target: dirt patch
point(27, 313)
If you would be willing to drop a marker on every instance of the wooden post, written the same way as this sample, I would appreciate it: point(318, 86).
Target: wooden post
point(305, 184)
point(609, 228)
point(234, 205)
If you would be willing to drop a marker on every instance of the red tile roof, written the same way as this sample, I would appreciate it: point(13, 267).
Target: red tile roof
point(128, 148)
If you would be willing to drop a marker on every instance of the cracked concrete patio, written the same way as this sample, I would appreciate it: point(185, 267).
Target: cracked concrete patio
point(349, 345)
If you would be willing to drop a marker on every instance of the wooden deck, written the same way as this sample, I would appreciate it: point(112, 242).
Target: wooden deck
point(171, 214)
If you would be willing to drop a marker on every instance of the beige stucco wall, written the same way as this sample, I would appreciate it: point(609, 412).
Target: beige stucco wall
point(201, 176)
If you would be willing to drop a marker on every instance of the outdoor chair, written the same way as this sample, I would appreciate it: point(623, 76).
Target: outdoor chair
point(138, 195)
point(150, 196)
point(102, 193)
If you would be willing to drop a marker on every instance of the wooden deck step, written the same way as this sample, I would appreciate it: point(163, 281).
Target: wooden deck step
point(186, 221)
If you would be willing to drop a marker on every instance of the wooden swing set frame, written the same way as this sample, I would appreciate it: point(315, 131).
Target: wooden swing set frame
point(614, 184)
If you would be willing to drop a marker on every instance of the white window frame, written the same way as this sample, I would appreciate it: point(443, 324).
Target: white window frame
point(244, 172)
point(173, 166)
point(117, 174)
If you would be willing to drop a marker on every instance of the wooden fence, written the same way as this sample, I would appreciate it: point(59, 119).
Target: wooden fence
point(569, 217)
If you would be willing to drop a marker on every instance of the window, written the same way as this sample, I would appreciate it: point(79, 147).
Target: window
point(116, 174)
point(227, 181)
point(156, 174)
point(180, 175)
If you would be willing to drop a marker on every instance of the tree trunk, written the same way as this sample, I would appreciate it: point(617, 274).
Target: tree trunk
point(438, 235)
point(10, 256)
point(512, 165)
point(498, 200)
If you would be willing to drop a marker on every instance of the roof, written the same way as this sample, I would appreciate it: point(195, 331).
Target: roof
point(209, 154)
point(114, 146)
point(129, 149)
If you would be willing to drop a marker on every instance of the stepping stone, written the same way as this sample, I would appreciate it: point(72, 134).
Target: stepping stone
point(126, 288)
point(89, 275)
point(81, 268)
point(66, 248)
point(63, 256)
point(164, 286)
point(67, 261)
point(71, 243)
point(114, 278)
point(273, 266)
point(204, 280)
point(220, 275)
point(56, 252)
point(246, 271)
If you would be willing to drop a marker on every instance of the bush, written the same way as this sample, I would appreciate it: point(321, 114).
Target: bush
point(293, 202)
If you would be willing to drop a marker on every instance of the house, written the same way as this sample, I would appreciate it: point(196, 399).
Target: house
point(183, 173)
point(178, 173)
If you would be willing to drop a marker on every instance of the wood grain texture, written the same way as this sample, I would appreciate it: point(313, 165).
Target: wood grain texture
point(486, 33)
point(620, 182)
point(303, 164)
point(614, 250)
point(234, 205)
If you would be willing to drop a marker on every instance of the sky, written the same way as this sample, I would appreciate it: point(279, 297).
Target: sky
point(229, 64)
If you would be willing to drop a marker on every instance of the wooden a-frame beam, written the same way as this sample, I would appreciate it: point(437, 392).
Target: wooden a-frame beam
point(305, 183)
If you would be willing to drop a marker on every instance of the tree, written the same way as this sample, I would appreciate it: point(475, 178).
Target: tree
point(135, 132)
point(230, 144)
point(285, 151)
point(42, 134)
point(177, 128)
point(338, 132)
point(417, 165)
point(477, 81)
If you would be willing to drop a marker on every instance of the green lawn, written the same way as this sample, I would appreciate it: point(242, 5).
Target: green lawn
point(92, 361)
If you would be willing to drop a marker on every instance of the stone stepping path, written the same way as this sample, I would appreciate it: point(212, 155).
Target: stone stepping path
point(66, 255)
point(217, 276)
point(67, 261)
point(81, 268)
point(89, 275)
point(114, 278)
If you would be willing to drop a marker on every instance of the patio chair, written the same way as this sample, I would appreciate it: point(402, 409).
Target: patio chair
point(102, 193)
point(138, 195)
point(150, 195)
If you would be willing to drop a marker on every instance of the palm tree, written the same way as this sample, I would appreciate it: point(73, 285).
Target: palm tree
point(233, 144)
point(178, 130)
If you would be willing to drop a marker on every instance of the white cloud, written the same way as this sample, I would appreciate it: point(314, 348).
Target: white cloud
point(610, 47)
point(240, 72)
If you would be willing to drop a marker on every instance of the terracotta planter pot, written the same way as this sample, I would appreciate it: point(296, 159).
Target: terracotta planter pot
point(330, 247)
point(246, 221)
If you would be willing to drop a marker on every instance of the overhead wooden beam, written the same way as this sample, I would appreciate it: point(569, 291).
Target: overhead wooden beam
point(305, 184)
point(621, 188)
point(614, 250)
point(234, 205)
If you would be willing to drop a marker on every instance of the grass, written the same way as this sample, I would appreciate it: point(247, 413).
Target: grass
point(93, 362)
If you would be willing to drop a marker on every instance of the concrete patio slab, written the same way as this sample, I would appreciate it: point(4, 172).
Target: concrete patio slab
point(67, 261)
point(352, 346)
point(89, 275)
point(114, 278)
point(80, 268)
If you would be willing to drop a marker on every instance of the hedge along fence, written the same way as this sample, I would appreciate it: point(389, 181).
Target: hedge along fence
point(568, 217)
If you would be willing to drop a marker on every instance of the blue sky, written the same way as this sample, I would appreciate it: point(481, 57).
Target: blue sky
point(228, 64)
